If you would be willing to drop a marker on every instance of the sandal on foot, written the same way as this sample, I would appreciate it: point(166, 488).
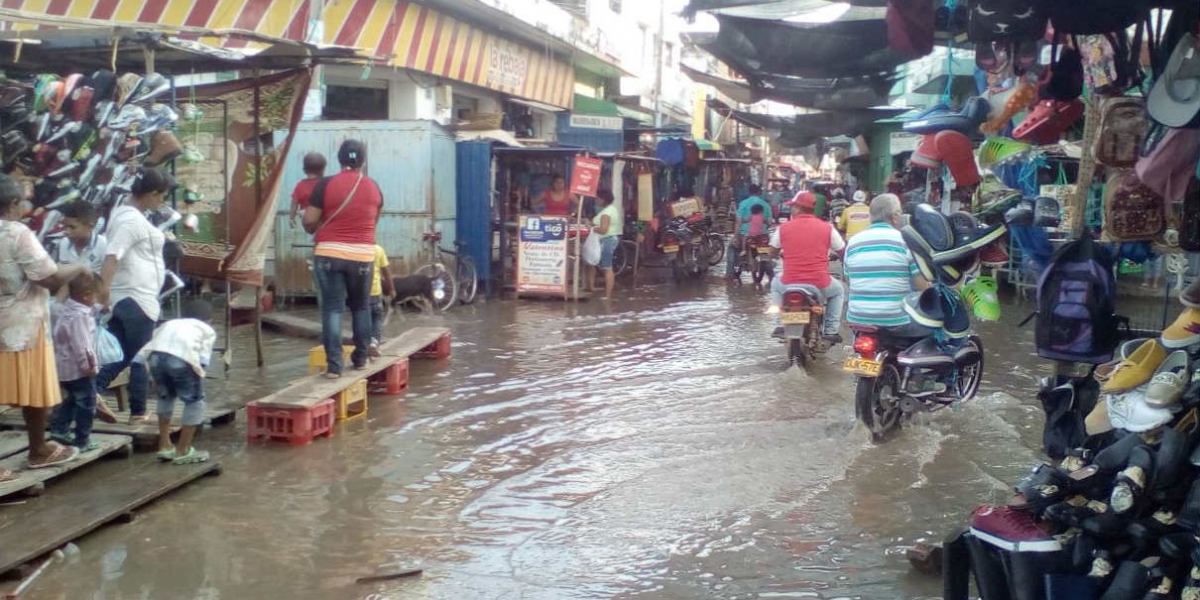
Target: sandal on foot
point(89, 446)
point(193, 456)
point(104, 412)
point(138, 419)
point(329, 375)
point(65, 439)
point(167, 455)
point(59, 455)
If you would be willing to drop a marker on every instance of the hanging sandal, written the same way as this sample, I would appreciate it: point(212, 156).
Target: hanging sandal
point(58, 456)
point(193, 456)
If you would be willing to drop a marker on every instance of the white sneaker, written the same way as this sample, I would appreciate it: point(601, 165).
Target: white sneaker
point(1169, 381)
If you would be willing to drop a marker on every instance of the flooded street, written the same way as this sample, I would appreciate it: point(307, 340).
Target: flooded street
point(651, 447)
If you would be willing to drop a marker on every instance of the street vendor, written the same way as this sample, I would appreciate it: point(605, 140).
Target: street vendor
point(557, 200)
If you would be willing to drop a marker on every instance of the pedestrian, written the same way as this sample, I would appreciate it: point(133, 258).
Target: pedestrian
point(177, 356)
point(314, 170)
point(81, 242)
point(610, 227)
point(75, 358)
point(381, 288)
point(28, 375)
point(342, 214)
point(132, 277)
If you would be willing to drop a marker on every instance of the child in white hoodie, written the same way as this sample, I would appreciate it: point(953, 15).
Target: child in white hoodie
point(176, 357)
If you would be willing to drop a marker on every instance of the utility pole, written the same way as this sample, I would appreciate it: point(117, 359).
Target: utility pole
point(658, 63)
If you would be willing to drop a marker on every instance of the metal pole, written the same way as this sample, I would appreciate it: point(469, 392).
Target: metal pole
point(658, 63)
point(258, 201)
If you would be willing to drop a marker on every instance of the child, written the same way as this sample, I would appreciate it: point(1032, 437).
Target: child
point(381, 286)
point(75, 358)
point(177, 356)
point(81, 243)
point(314, 170)
point(758, 221)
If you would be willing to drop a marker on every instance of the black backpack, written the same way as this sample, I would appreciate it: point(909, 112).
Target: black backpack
point(1013, 20)
point(1076, 296)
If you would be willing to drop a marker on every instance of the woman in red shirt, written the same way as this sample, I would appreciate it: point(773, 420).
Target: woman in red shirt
point(342, 214)
point(557, 200)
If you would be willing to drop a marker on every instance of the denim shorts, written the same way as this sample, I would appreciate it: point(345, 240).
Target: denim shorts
point(608, 246)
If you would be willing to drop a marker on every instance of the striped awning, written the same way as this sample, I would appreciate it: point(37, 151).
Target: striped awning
point(404, 34)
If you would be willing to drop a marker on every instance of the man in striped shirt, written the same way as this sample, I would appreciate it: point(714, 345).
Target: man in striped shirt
point(881, 271)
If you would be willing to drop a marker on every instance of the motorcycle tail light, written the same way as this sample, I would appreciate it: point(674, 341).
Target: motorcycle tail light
point(793, 300)
point(864, 345)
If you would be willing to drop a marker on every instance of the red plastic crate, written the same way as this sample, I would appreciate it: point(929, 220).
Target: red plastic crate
point(296, 426)
point(439, 350)
point(392, 380)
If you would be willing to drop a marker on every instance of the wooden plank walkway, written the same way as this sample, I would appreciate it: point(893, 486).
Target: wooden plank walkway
point(33, 480)
point(216, 413)
point(43, 524)
point(307, 391)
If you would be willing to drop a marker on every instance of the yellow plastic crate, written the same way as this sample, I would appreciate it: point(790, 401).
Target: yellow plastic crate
point(352, 401)
point(316, 358)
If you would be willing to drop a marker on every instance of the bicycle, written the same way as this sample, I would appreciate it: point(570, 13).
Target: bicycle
point(462, 285)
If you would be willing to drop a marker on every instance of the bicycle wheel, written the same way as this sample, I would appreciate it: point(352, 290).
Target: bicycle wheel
point(468, 279)
point(444, 289)
point(623, 257)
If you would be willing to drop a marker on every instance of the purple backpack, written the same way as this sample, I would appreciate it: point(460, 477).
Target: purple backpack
point(1076, 295)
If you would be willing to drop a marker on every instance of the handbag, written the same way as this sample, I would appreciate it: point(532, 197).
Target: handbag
point(1132, 211)
point(591, 249)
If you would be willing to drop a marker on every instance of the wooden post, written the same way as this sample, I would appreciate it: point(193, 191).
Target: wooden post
point(1087, 169)
point(578, 243)
point(258, 345)
point(258, 202)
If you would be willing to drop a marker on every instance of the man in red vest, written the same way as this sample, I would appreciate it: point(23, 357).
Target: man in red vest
point(805, 242)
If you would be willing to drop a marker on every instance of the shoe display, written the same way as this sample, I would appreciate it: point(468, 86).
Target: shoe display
point(1169, 381)
point(994, 255)
point(1137, 369)
point(1012, 530)
point(1184, 332)
point(983, 297)
point(925, 308)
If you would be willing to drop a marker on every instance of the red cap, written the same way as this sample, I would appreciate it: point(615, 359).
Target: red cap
point(804, 200)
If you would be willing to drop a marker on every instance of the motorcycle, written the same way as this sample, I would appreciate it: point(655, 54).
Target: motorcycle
point(683, 251)
point(884, 364)
point(756, 259)
point(802, 314)
point(701, 228)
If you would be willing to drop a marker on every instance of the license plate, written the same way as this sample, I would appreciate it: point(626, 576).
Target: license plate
point(862, 366)
point(794, 318)
point(670, 249)
point(764, 250)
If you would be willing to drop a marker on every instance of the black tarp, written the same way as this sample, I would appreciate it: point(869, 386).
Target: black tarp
point(696, 6)
point(840, 93)
point(840, 49)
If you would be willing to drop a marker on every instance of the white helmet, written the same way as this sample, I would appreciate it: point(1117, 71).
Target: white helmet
point(860, 196)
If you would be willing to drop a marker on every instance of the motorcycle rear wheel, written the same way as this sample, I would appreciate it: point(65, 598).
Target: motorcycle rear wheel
point(797, 353)
point(877, 402)
point(966, 385)
point(716, 249)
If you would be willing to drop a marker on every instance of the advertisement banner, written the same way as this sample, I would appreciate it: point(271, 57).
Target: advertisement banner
point(542, 255)
point(585, 176)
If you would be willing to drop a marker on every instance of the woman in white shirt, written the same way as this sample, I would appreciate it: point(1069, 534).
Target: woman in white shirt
point(133, 275)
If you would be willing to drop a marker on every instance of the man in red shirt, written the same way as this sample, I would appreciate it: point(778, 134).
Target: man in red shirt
point(314, 170)
point(805, 242)
point(341, 215)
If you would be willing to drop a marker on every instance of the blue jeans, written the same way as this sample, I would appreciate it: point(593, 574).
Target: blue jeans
point(377, 314)
point(342, 283)
point(78, 406)
point(133, 329)
point(175, 378)
point(608, 247)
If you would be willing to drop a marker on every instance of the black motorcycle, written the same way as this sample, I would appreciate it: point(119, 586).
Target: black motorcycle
point(685, 250)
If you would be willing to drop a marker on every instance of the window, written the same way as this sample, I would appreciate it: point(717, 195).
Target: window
point(348, 103)
point(669, 54)
point(615, 6)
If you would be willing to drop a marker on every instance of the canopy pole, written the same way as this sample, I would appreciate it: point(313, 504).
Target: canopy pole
point(258, 201)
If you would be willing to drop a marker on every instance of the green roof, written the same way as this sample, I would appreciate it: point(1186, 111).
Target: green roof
point(586, 105)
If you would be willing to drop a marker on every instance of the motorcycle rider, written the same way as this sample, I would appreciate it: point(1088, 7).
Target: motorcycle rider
point(741, 225)
point(805, 242)
point(855, 217)
point(881, 271)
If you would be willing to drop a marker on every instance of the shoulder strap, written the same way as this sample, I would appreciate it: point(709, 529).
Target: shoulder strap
point(344, 203)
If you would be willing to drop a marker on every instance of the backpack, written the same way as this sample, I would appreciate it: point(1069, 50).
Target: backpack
point(1076, 295)
point(1132, 211)
point(1006, 19)
point(1122, 128)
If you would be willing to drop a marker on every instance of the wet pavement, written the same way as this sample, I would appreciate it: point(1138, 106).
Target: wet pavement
point(650, 447)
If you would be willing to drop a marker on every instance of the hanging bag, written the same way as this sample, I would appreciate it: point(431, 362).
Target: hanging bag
point(108, 349)
point(591, 249)
point(1122, 128)
point(1132, 211)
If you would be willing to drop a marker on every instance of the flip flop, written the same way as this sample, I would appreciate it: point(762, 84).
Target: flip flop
point(7, 475)
point(105, 413)
point(193, 456)
point(60, 455)
point(63, 438)
point(89, 446)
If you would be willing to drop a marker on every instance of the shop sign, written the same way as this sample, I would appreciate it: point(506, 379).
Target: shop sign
point(507, 65)
point(597, 122)
point(585, 176)
point(542, 255)
point(903, 142)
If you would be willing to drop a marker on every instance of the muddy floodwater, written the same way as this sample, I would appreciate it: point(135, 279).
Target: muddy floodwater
point(649, 447)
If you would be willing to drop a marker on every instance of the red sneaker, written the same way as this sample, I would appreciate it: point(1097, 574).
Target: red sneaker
point(995, 254)
point(1011, 530)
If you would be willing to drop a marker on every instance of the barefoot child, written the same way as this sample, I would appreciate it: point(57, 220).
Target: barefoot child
point(75, 358)
point(177, 356)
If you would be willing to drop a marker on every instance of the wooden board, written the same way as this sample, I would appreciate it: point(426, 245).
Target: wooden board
point(12, 442)
point(28, 478)
point(42, 524)
point(307, 391)
point(214, 414)
point(289, 324)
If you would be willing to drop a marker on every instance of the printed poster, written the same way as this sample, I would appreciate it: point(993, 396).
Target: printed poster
point(542, 255)
point(585, 176)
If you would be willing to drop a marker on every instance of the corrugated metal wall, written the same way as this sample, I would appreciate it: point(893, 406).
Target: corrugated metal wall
point(413, 162)
point(596, 140)
point(474, 193)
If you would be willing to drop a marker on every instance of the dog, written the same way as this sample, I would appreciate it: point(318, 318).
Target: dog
point(416, 290)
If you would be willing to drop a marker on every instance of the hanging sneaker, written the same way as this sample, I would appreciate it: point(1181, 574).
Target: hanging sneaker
point(1011, 530)
point(1184, 332)
point(981, 295)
